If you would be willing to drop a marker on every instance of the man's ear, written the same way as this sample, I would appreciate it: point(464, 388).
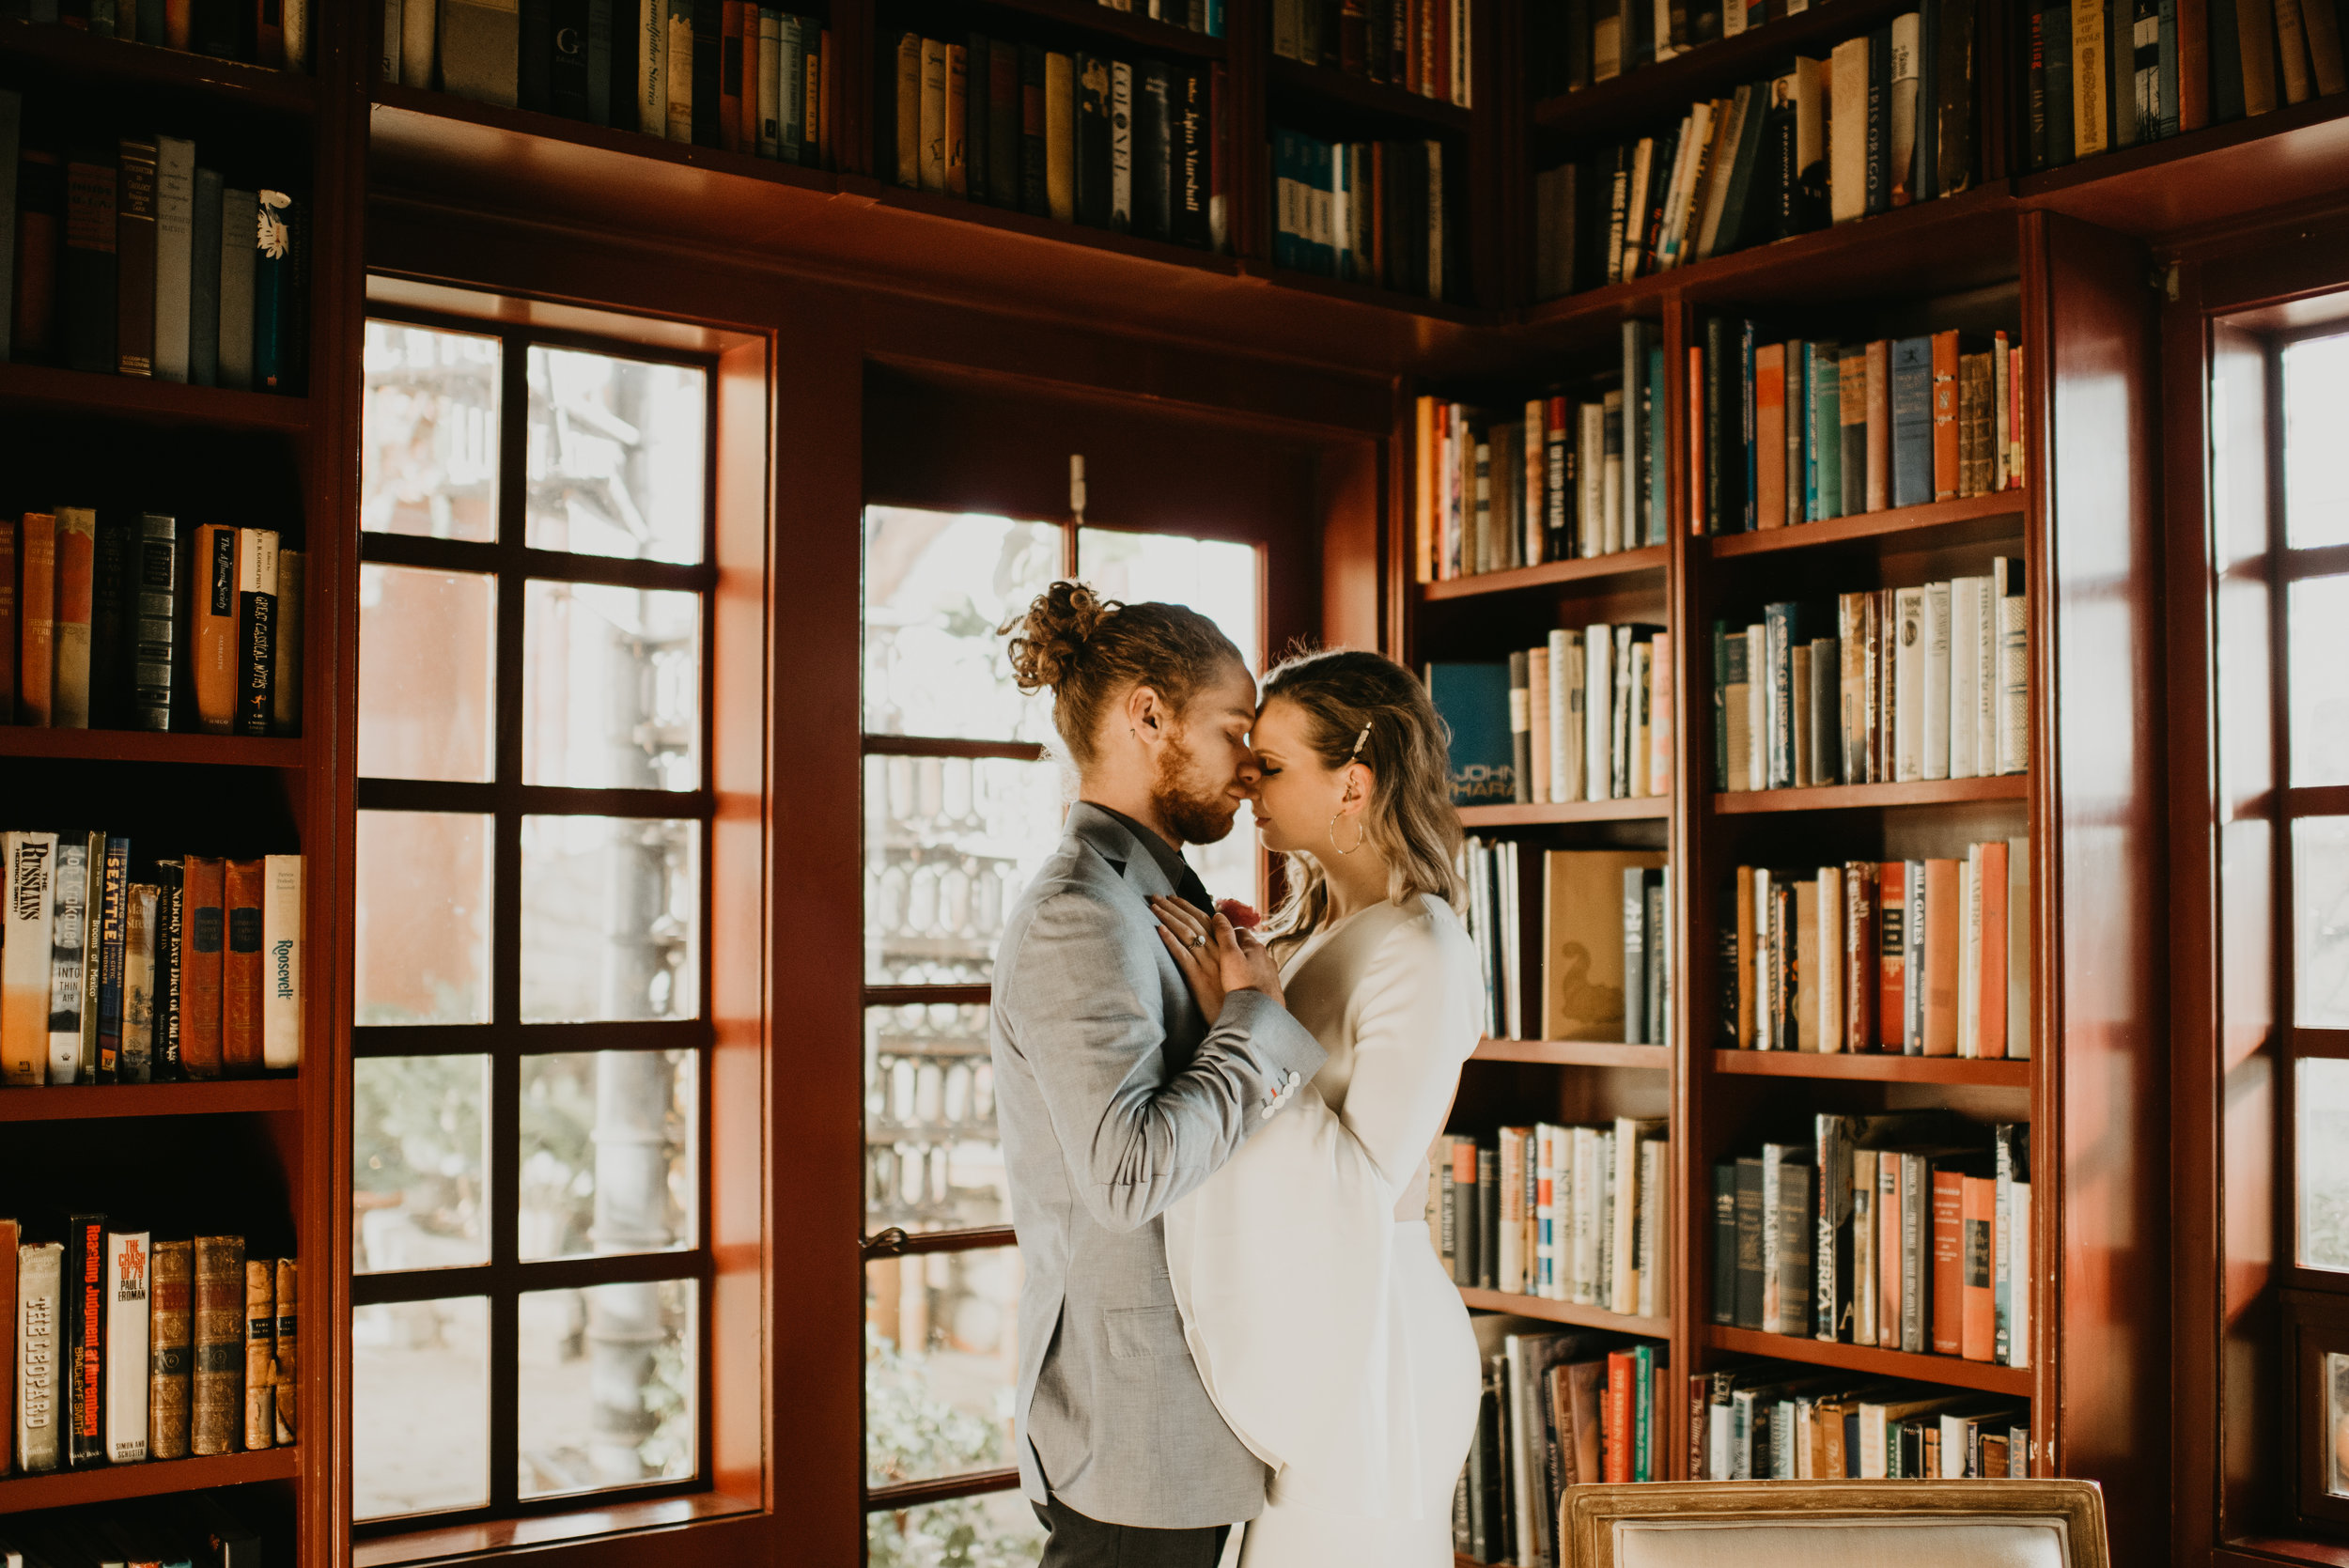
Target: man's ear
point(1145, 714)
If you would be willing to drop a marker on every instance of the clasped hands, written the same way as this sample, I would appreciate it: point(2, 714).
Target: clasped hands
point(1216, 958)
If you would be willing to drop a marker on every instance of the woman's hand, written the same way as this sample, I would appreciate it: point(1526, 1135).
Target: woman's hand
point(1215, 958)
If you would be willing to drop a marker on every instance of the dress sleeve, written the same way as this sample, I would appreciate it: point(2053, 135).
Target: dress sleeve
point(1414, 1022)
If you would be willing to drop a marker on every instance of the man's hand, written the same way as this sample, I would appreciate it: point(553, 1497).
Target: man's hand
point(1215, 957)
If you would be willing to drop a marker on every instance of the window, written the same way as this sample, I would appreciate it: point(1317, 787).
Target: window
point(962, 803)
point(530, 1271)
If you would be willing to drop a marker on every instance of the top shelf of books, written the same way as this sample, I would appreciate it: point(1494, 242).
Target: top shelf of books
point(60, 53)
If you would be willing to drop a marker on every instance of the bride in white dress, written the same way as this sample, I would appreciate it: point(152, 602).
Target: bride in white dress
point(1325, 1329)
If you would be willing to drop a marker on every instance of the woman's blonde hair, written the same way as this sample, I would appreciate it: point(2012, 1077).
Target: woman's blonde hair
point(1365, 708)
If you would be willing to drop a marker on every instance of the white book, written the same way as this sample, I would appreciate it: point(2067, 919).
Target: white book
point(1829, 982)
point(1590, 469)
point(1582, 1282)
point(1598, 665)
point(677, 70)
point(1908, 683)
point(1547, 1185)
point(2018, 924)
point(297, 19)
point(140, 927)
point(1628, 1202)
point(419, 25)
point(41, 1351)
point(481, 50)
point(1606, 1207)
point(283, 984)
point(1765, 1034)
point(2014, 632)
point(1970, 957)
point(1675, 185)
point(771, 84)
point(1505, 931)
point(1908, 78)
point(1619, 737)
point(1984, 630)
point(1966, 603)
point(1757, 709)
point(1286, 27)
point(1734, 19)
point(1621, 530)
point(31, 866)
point(2018, 1284)
point(175, 241)
point(127, 1370)
point(1566, 716)
point(1122, 148)
point(240, 220)
point(1655, 1161)
point(1934, 637)
point(652, 76)
point(69, 929)
point(392, 37)
point(1665, 49)
point(1641, 697)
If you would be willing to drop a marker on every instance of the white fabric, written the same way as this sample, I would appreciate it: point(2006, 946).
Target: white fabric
point(1323, 1328)
point(1940, 1539)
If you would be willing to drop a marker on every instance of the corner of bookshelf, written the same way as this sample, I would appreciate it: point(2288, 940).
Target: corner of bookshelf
point(1952, 1370)
point(140, 399)
point(1915, 792)
point(70, 54)
point(1648, 561)
point(1576, 1053)
point(1967, 520)
point(151, 1477)
point(1548, 814)
point(1325, 84)
point(106, 1101)
point(1564, 1311)
point(236, 751)
point(1875, 1067)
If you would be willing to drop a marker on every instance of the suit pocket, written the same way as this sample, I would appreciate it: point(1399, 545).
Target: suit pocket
point(1136, 1332)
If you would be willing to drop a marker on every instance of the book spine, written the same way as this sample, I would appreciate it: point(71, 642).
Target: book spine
point(69, 935)
point(85, 1352)
point(70, 635)
point(216, 1405)
point(141, 922)
point(175, 234)
point(134, 258)
point(242, 967)
point(170, 1359)
point(169, 967)
point(1948, 1262)
point(197, 994)
point(112, 903)
point(286, 1409)
point(261, 1354)
point(42, 1371)
point(127, 1346)
point(213, 628)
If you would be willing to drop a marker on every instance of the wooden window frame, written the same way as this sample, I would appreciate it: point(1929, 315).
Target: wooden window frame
point(504, 1041)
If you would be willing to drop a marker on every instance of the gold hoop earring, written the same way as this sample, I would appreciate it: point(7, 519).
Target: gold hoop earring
point(1360, 833)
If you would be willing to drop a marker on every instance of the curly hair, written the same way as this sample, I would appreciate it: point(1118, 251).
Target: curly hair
point(1089, 651)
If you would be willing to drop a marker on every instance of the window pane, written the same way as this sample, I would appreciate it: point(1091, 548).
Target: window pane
point(606, 1385)
point(419, 1162)
point(941, 1361)
point(424, 918)
point(427, 671)
point(2320, 918)
point(932, 1161)
point(949, 843)
point(429, 434)
point(618, 454)
point(607, 1152)
point(420, 1406)
point(610, 917)
point(612, 687)
point(2316, 460)
point(997, 1529)
point(937, 585)
point(2319, 608)
point(2323, 1137)
point(2336, 1420)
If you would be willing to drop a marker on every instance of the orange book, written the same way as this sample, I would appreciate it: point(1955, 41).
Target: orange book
point(213, 628)
point(1622, 1369)
point(1888, 1165)
point(1659, 724)
point(730, 54)
point(1862, 989)
point(1696, 437)
point(8, 621)
point(1423, 490)
point(1892, 956)
point(1945, 882)
point(1946, 1295)
point(1879, 425)
point(69, 639)
point(202, 920)
point(1770, 435)
point(1990, 1001)
point(1978, 1212)
point(1945, 470)
point(241, 969)
point(36, 618)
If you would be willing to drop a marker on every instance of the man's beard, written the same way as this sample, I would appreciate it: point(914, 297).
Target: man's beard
point(1192, 815)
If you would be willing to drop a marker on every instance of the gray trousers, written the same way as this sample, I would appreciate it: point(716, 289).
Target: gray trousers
point(1077, 1542)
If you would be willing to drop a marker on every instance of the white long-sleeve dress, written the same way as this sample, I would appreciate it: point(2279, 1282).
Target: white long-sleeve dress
point(1322, 1323)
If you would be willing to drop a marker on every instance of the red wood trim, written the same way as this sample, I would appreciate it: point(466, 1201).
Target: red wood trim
point(95, 1102)
point(2266, 1550)
point(1576, 1053)
point(2318, 561)
point(916, 996)
point(1874, 1067)
point(600, 1530)
point(1330, 86)
point(228, 750)
point(112, 1483)
point(1133, 26)
point(2314, 800)
point(927, 746)
point(139, 400)
point(1649, 560)
point(895, 1243)
point(1917, 792)
point(1643, 808)
point(913, 1494)
point(1951, 1369)
point(528, 1039)
point(1564, 1311)
point(68, 54)
point(2332, 1043)
point(1998, 515)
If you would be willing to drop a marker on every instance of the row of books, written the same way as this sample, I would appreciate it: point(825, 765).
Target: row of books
point(1369, 212)
point(2104, 75)
point(1559, 1408)
point(134, 259)
point(1926, 957)
point(1564, 1213)
point(275, 35)
point(1565, 479)
point(126, 1348)
point(1773, 1419)
point(186, 1529)
point(1587, 716)
point(1931, 682)
point(1605, 968)
point(1198, 16)
point(1572, 46)
point(114, 621)
point(121, 971)
point(1421, 46)
point(1804, 431)
point(1134, 147)
point(1887, 120)
point(1903, 1232)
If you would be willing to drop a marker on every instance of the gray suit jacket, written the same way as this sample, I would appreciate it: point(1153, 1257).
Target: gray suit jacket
point(1114, 1098)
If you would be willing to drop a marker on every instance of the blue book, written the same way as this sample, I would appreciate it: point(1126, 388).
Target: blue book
point(1746, 417)
point(1823, 463)
point(111, 907)
point(1912, 421)
point(1473, 700)
point(1783, 629)
point(1658, 460)
point(1215, 18)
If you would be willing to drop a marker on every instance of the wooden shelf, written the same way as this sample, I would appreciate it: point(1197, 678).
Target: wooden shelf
point(1332, 85)
point(1137, 26)
point(98, 1101)
point(23, 741)
point(1917, 792)
point(2220, 173)
point(1564, 1311)
point(1575, 1053)
point(72, 54)
point(155, 1477)
point(1647, 561)
point(42, 388)
point(1608, 108)
point(1011, 221)
point(1645, 808)
point(1880, 1066)
point(1955, 1371)
point(1370, 294)
point(1965, 521)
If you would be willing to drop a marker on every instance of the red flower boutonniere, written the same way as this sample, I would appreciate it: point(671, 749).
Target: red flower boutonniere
point(1240, 915)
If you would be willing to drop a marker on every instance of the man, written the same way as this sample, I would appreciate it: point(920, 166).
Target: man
point(1115, 1095)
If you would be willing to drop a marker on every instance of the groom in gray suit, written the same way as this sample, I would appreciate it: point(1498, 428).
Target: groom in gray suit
point(1115, 1095)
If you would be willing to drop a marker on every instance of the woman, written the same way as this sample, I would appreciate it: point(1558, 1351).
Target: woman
point(1322, 1324)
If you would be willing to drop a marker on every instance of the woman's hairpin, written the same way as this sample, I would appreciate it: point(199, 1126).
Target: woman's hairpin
point(1357, 752)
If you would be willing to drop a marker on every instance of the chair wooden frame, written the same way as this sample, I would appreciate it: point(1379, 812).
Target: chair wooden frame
point(1587, 1516)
